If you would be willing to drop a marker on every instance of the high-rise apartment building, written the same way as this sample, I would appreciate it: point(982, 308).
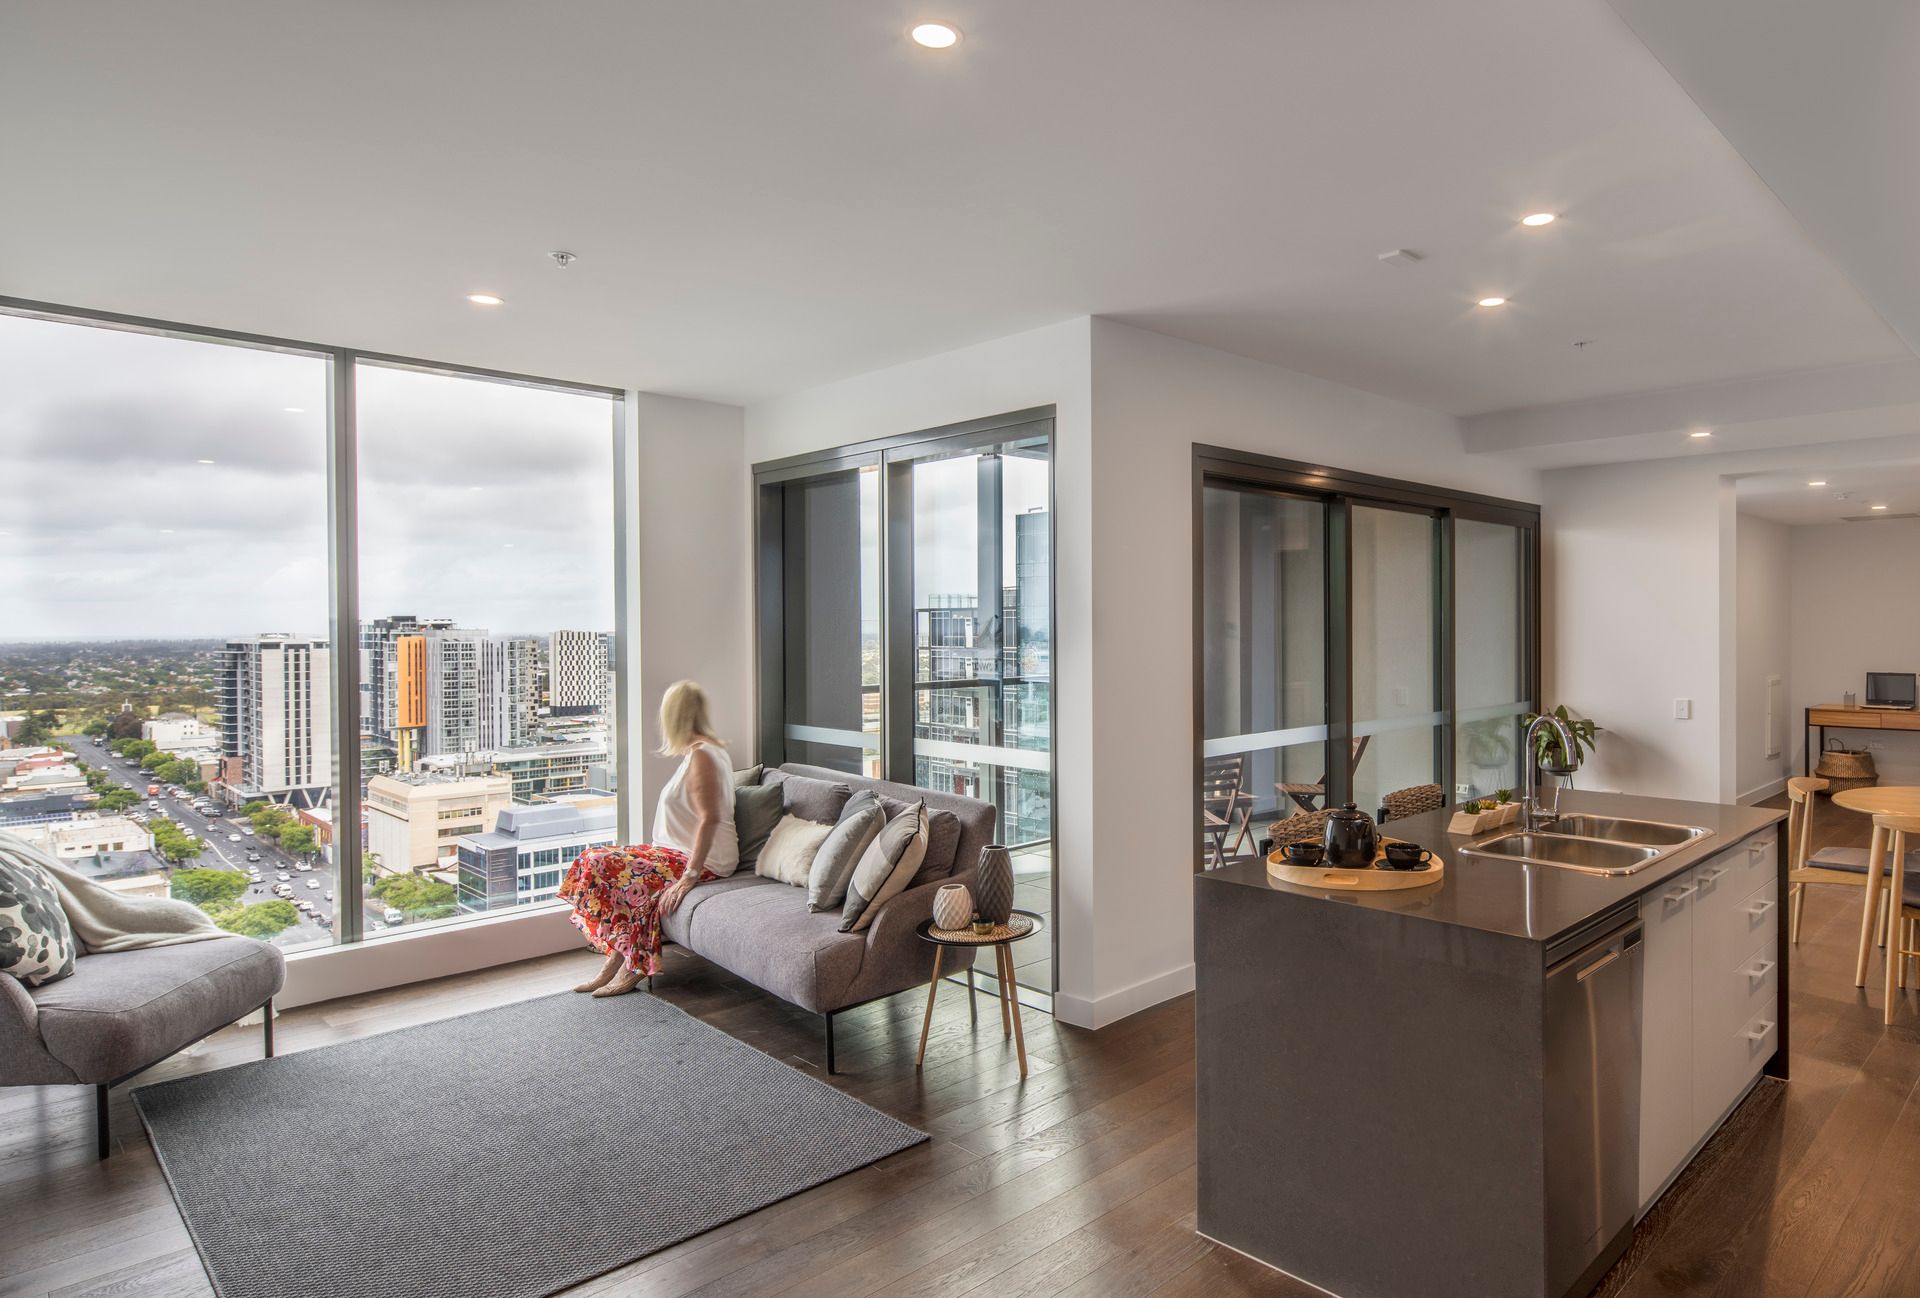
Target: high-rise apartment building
point(430, 688)
point(580, 673)
point(509, 681)
point(276, 698)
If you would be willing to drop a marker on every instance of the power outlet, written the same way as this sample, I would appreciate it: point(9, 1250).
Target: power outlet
point(1683, 709)
point(1462, 792)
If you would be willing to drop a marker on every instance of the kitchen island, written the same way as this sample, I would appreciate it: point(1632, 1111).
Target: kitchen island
point(1476, 1087)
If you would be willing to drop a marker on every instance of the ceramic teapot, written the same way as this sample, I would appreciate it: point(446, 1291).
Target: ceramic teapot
point(1351, 839)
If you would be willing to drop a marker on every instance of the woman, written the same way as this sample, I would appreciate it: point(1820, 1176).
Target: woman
point(620, 894)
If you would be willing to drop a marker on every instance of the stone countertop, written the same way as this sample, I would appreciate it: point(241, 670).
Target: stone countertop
point(1534, 902)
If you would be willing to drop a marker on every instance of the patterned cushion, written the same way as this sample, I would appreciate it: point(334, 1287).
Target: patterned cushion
point(788, 855)
point(885, 868)
point(834, 863)
point(36, 942)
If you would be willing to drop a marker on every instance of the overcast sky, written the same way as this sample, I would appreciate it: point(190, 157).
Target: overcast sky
point(484, 502)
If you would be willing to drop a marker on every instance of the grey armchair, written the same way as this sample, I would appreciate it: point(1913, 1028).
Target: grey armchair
point(122, 1012)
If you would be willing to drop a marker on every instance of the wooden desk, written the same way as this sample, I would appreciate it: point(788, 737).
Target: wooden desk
point(1822, 715)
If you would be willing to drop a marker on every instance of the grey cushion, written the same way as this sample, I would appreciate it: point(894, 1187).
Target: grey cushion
point(834, 863)
point(747, 776)
point(766, 934)
point(678, 926)
point(757, 808)
point(1853, 860)
point(123, 1010)
point(943, 840)
point(36, 941)
point(811, 798)
point(788, 855)
point(885, 868)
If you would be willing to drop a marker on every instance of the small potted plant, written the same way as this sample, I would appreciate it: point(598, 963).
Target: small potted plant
point(1481, 814)
point(1547, 749)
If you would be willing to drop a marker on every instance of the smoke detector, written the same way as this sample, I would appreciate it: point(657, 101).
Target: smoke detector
point(563, 259)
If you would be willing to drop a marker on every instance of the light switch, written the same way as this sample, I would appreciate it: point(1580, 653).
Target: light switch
point(1683, 709)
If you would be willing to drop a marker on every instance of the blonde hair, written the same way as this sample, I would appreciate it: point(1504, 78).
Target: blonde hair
point(683, 718)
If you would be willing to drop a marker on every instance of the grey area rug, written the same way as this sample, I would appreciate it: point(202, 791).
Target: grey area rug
point(503, 1154)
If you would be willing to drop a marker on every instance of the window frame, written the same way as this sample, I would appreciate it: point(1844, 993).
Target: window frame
point(1339, 490)
point(343, 541)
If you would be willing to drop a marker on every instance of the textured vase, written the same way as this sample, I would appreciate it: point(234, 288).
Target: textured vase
point(952, 907)
point(993, 891)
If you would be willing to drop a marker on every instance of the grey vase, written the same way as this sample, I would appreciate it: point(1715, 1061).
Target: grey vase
point(993, 894)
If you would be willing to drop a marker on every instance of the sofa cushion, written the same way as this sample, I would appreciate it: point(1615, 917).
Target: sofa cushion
point(678, 927)
point(810, 798)
point(943, 837)
point(757, 809)
point(767, 935)
point(788, 855)
point(36, 941)
point(885, 868)
point(124, 1010)
point(747, 776)
point(977, 818)
point(834, 863)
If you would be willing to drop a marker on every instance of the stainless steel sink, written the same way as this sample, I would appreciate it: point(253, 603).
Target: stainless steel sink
point(1588, 855)
point(1617, 829)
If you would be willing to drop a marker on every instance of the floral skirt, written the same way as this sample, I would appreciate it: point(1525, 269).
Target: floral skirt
point(615, 893)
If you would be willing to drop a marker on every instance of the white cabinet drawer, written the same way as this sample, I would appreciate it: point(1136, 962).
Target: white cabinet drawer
point(1726, 997)
point(1725, 1064)
point(1748, 864)
point(1729, 927)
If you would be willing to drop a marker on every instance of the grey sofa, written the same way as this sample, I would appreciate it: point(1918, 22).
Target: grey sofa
point(121, 1012)
point(761, 929)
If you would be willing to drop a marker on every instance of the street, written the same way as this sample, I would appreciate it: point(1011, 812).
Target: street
point(221, 854)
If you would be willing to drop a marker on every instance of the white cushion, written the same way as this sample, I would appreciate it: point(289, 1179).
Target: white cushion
point(788, 855)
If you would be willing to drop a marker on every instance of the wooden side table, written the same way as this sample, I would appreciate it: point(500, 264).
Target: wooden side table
point(1022, 924)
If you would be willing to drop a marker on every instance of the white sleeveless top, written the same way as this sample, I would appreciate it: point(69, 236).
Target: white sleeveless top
point(676, 821)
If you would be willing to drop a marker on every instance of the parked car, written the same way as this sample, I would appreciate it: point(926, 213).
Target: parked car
point(233, 838)
point(247, 830)
point(395, 917)
point(313, 883)
point(284, 877)
point(253, 856)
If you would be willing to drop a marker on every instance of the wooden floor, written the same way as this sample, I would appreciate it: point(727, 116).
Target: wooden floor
point(1080, 1181)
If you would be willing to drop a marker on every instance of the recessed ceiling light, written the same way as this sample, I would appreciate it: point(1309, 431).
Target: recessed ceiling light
point(935, 36)
point(168, 531)
point(1538, 218)
point(295, 410)
point(1818, 482)
point(1700, 433)
point(203, 461)
point(1492, 301)
point(1876, 506)
point(485, 299)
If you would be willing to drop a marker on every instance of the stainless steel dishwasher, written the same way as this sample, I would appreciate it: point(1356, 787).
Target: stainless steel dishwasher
point(1592, 1010)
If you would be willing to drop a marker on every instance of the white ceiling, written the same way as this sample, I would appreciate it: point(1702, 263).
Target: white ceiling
point(767, 195)
point(1852, 489)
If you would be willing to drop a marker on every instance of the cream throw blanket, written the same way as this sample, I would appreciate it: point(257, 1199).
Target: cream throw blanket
point(105, 920)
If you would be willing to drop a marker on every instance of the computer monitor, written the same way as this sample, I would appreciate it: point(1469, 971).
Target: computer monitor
point(1890, 689)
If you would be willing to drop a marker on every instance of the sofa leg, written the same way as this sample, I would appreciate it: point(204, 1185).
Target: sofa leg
point(266, 1025)
point(829, 1019)
point(100, 1119)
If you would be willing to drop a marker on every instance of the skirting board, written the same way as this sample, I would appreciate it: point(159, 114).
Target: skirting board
point(1100, 1011)
point(1761, 794)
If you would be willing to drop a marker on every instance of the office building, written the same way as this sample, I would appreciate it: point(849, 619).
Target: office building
point(523, 859)
point(87, 834)
point(182, 735)
point(539, 771)
point(580, 672)
point(276, 716)
point(413, 820)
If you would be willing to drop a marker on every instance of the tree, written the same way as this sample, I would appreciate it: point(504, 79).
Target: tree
point(117, 800)
point(298, 839)
point(269, 818)
point(369, 866)
point(38, 729)
point(96, 728)
point(208, 887)
point(134, 748)
point(174, 843)
point(156, 759)
point(125, 725)
point(416, 895)
point(178, 771)
point(263, 919)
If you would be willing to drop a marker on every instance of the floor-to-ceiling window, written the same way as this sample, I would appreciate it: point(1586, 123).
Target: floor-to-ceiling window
point(906, 626)
point(1356, 638)
point(320, 641)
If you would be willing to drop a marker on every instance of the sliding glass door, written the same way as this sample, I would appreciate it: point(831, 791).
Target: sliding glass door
point(1357, 640)
point(906, 627)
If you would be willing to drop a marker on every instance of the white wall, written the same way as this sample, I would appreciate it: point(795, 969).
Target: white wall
point(1631, 619)
point(1845, 625)
point(1763, 650)
point(695, 582)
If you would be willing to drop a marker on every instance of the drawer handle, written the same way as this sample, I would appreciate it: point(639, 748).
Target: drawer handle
point(1758, 910)
point(1597, 965)
point(1759, 1031)
point(1761, 970)
point(1713, 877)
point(1679, 895)
point(1755, 849)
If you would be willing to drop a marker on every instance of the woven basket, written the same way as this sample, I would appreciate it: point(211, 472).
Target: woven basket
point(1846, 768)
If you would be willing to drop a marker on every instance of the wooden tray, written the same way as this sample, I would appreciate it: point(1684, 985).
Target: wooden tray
point(1334, 880)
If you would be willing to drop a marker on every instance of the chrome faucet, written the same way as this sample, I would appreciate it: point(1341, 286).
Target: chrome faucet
point(1530, 817)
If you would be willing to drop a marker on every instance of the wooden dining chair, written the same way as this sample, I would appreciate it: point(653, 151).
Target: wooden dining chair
point(1843, 866)
point(1903, 916)
point(1223, 796)
point(1309, 796)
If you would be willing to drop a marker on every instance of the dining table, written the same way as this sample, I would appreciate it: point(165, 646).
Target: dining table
point(1881, 800)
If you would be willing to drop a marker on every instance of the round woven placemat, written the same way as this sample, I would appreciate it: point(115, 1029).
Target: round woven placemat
point(1017, 927)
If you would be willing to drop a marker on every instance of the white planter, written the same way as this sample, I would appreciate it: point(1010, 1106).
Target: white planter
point(952, 907)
